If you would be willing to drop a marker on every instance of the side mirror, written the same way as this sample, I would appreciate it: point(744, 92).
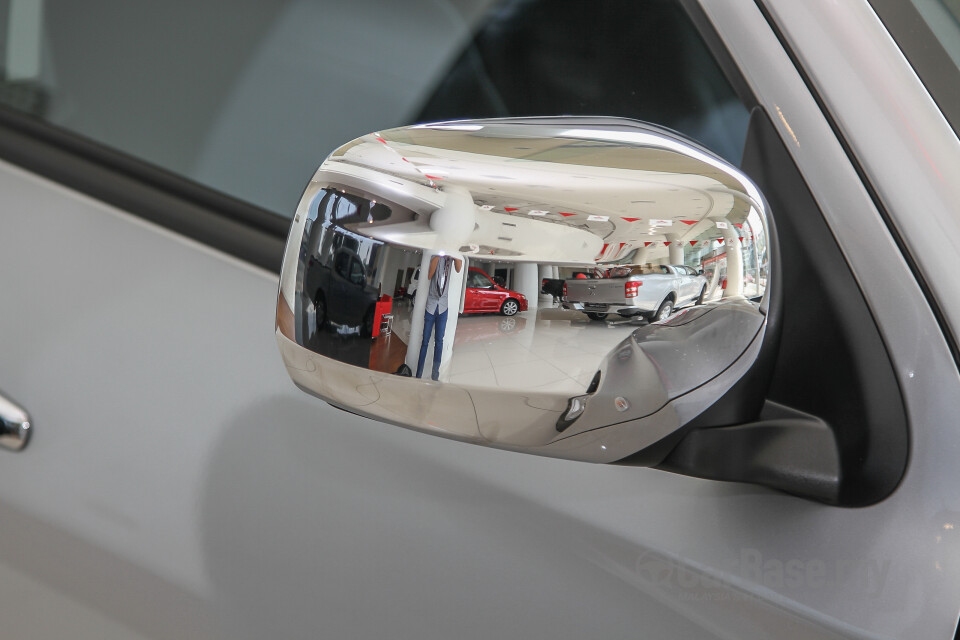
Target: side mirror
point(622, 371)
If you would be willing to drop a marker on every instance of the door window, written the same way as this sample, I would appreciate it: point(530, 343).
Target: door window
point(356, 272)
point(476, 280)
point(642, 60)
point(928, 33)
point(342, 265)
point(251, 105)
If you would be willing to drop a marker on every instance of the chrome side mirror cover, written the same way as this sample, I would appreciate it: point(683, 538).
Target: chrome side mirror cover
point(604, 212)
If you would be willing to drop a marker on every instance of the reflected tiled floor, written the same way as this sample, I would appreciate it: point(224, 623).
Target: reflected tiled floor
point(546, 350)
point(550, 349)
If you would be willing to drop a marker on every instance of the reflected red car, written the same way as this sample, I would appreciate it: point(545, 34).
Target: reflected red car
point(486, 296)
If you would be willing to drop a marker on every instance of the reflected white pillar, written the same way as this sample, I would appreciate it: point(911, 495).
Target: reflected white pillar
point(676, 249)
point(734, 262)
point(457, 281)
point(455, 290)
point(714, 281)
point(526, 280)
point(754, 254)
point(640, 257)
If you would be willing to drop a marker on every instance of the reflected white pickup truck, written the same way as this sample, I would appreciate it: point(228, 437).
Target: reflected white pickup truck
point(653, 291)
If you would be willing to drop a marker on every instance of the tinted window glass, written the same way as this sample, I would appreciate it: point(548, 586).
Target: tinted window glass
point(928, 33)
point(356, 272)
point(342, 263)
point(642, 60)
point(943, 18)
point(478, 280)
point(248, 96)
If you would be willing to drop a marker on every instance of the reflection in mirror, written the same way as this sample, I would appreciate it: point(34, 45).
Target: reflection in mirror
point(574, 287)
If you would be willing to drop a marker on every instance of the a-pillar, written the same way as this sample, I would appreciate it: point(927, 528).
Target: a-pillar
point(526, 280)
point(734, 250)
point(455, 289)
point(676, 249)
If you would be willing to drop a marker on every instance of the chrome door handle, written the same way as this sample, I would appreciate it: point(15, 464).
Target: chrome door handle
point(14, 425)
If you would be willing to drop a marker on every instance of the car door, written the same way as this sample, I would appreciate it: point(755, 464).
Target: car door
point(686, 275)
point(691, 283)
point(178, 485)
point(341, 289)
point(681, 282)
point(471, 299)
point(481, 293)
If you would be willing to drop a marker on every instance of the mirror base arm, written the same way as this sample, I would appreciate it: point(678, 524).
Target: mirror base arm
point(786, 450)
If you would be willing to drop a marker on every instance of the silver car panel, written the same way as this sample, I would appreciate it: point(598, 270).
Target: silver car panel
point(153, 503)
point(923, 508)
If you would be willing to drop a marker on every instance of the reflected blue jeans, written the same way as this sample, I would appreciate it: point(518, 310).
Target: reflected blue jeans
point(436, 322)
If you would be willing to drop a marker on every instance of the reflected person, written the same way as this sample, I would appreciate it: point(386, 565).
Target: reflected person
point(435, 313)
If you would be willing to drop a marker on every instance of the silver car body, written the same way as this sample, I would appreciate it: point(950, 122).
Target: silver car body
point(178, 486)
point(656, 285)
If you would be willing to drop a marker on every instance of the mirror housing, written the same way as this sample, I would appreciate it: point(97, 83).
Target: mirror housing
point(610, 350)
